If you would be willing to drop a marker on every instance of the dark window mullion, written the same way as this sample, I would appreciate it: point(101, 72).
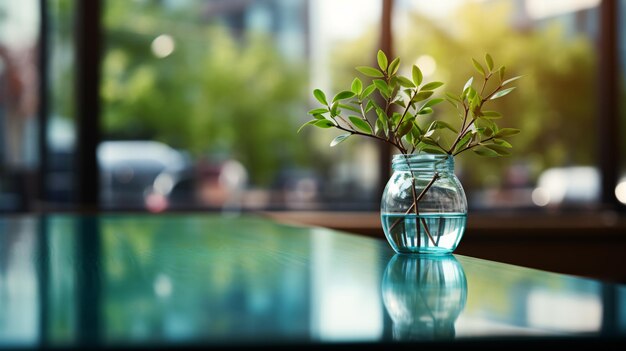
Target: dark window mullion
point(88, 57)
point(608, 101)
point(386, 44)
point(43, 108)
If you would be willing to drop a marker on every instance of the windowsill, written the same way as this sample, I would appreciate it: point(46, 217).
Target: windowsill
point(526, 224)
point(583, 244)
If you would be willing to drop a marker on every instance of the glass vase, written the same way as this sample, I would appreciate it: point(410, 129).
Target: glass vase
point(423, 207)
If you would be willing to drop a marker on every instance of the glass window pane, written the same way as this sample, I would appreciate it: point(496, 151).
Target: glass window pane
point(202, 101)
point(60, 175)
point(19, 35)
point(553, 45)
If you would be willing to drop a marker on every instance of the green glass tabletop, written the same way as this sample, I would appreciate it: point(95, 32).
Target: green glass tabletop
point(206, 279)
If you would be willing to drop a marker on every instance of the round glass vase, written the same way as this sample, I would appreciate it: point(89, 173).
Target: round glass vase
point(423, 207)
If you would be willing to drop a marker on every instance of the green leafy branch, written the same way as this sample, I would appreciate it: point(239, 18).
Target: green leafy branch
point(390, 115)
point(478, 131)
point(393, 115)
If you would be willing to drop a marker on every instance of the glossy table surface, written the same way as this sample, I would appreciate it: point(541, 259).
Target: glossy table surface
point(205, 279)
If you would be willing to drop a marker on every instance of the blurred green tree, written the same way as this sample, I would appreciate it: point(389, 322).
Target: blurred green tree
point(219, 92)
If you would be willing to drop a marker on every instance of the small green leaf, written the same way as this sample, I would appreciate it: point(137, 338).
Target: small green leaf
point(370, 71)
point(501, 93)
point(471, 93)
point(357, 86)
point(501, 71)
point(318, 116)
point(317, 111)
point(306, 124)
point(395, 117)
point(343, 95)
point(425, 111)
point(485, 131)
point(432, 86)
point(334, 109)
point(382, 87)
point(442, 124)
point(382, 60)
point(339, 139)
point(383, 121)
point(329, 119)
point(417, 75)
point(380, 84)
point(320, 96)
point(369, 106)
point(360, 124)
point(502, 142)
point(506, 132)
point(501, 150)
point(377, 107)
point(428, 140)
point(405, 128)
point(483, 151)
point(433, 150)
point(379, 126)
point(489, 62)
point(409, 138)
point(405, 82)
point(465, 140)
point(478, 67)
point(393, 82)
point(323, 123)
point(432, 102)
point(394, 65)
point(474, 98)
point(368, 91)
point(416, 131)
point(511, 80)
point(422, 95)
point(468, 84)
point(490, 114)
point(350, 107)
point(487, 122)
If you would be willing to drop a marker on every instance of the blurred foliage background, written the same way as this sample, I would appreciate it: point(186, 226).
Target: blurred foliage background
point(554, 104)
point(216, 94)
point(228, 90)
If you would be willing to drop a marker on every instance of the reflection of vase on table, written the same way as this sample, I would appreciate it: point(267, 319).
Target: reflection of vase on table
point(424, 295)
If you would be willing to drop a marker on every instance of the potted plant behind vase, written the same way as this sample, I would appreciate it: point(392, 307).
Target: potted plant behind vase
point(423, 206)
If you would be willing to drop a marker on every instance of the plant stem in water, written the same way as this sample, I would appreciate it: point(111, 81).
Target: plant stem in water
point(416, 199)
point(417, 215)
point(421, 195)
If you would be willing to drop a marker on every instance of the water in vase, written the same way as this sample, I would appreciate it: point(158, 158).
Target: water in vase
point(426, 233)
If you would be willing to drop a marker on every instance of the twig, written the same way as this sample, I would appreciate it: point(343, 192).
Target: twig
point(417, 198)
point(417, 215)
point(472, 146)
point(401, 148)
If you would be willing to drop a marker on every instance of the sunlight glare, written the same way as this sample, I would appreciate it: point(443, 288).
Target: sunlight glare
point(427, 64)
point(163, 46)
